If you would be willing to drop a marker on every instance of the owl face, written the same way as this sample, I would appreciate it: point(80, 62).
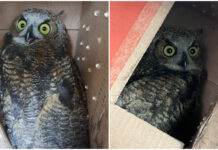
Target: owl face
point(34, 25)
point(178, 49)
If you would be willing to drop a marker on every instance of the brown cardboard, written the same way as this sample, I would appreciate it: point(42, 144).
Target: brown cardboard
point(4, 143)
point(94, 33)
point(128, 131)
point(208, 134)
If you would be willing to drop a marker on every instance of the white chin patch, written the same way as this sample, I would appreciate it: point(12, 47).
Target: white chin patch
point(20, 40)
point(174, 67)
point(179, 68)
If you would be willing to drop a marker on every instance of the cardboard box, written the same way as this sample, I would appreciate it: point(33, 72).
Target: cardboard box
point(94, 68)
point(208, 132)
point(95, 34)
point(126, 130)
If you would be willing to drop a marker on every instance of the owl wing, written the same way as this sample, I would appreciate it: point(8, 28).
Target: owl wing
point(63, 122)
point(79, 81)
point(7, 41)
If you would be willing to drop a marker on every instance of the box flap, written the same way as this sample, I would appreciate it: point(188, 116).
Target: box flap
point(128, 131)
point(4, 142)
point(208, 132)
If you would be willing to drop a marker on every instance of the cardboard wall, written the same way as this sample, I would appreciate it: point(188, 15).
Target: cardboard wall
point(208, 133)
point(92, 57)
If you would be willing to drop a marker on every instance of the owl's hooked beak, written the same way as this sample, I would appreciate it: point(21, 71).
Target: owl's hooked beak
point(30, 38)
point(184, 61)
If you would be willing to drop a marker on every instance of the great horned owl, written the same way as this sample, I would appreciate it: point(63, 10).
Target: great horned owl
point(43, 102)
point(165, 85)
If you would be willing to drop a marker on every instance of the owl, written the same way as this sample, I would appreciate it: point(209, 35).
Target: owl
point(164, 88)
point(42, 98)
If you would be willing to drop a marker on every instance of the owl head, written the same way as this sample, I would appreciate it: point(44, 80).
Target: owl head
point(178, 49)
point(35, 25)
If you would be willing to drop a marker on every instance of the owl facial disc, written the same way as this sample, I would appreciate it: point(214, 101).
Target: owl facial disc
point(35, 25)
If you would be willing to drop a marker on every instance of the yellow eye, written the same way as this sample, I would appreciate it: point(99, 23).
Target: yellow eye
point(21, 25)
point(193, 51)
point(44, 29)
point(169, 51)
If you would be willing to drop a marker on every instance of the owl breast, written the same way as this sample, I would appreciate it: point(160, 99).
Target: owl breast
point(162, 100)
point(43, 105)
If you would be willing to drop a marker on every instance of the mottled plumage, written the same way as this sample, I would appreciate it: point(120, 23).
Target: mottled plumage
point(43, 101)
point(164, 89)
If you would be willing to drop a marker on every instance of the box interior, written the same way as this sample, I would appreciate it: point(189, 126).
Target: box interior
point(201, 15)
point(96, 58)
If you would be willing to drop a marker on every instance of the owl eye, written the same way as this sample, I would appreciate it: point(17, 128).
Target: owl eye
point(169, 51)
point(193, 51)
point(21, 25)
point(44, 29)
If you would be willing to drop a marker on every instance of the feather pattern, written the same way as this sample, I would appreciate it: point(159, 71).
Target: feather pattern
point(42, 97)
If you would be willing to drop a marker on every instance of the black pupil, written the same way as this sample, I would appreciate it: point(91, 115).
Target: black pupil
point(22, 25)
point(169, 50)
point(44, 28)
point(192, 51)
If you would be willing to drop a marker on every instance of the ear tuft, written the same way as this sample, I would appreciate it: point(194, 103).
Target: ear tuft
point(199, 32)
point(60, 13)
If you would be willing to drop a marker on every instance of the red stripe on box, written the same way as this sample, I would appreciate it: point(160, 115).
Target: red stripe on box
point(122, 17)
point(129, 21)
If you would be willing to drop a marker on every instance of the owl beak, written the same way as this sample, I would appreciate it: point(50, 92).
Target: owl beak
point(184, 61)
point(29, 35)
